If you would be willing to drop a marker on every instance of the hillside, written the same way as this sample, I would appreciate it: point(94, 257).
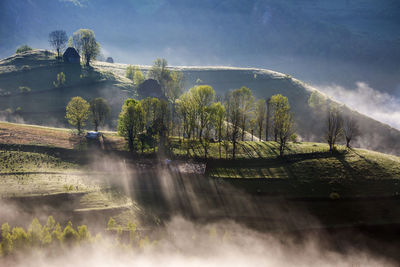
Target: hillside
point(108, 81)
point(88, 185)
point(45, 104)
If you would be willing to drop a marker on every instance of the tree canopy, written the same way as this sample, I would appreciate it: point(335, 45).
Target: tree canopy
point(99, 111)
point(77, 112)
point(85, 42)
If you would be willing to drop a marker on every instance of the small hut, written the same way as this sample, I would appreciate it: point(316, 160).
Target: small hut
point(110, 60)
point(71, 56)
point(150, 88)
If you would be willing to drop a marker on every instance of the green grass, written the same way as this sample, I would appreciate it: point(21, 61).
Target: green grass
point(18, 161)
point(303, 160)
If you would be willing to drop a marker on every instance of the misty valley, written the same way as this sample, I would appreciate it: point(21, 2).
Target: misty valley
point(281, 151)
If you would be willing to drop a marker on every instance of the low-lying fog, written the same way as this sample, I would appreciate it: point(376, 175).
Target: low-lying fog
point(188, 244)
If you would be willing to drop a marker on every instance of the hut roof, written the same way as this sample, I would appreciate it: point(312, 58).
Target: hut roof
point(150, 88)
point(71, 53)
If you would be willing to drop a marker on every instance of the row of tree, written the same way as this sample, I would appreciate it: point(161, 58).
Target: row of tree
point(52, 235)
point(196, 115)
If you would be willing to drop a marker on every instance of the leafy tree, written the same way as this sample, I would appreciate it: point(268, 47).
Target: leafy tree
point(159, 71)
point(174, 86)
point(170, 81)
point(233, 101)
point(187, 112)
point(99, 111)
point(334, 126)
point(202, 97)
point(252, 124)
point(350, 129)
point(35, 232)
point(283, 120)
point(84, 41)
point(60, 82)
point(23, 48)
point(58, 40)
point(267, 117)
point(132, 232)
point(46, 238)
point(111, 223)
point(70, 236)
point(51, 223)
point(77, 112)
point(260, 116)
point(220, 114)
point(131, 121)
point(245, 106)
point(57, 234)
point(135, 74)
point(19, 238)
point(84, 234)
point(6, 244)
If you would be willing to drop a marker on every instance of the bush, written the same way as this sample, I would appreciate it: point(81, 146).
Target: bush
point(24, 89)
point(60, 82)
point(23, 48)
point(334, 196)
point(25, 68)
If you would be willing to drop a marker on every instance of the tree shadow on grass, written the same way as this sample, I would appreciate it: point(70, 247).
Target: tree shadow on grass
point(377, 168)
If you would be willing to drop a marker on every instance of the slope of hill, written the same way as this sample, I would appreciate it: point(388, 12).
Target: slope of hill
point(45, 104)
point(49, 178)
point(38, 70)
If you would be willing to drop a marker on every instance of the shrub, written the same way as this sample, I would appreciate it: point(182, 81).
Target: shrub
point(25, 68)
point(60, 82)
point(18, 110)
point(23, 48)
point(24, 89)
point(334, 196)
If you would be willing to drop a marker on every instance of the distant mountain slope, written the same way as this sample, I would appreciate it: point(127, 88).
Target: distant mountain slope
point(46, 104)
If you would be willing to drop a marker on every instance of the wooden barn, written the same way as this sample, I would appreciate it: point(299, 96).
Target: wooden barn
point(71, 56)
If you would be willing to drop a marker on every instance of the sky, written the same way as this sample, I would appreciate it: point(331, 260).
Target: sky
point(330, 44)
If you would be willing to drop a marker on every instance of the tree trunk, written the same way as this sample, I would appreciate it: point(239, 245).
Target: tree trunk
point(96, 125)
point(234, 149)
point(252, 135)
point(87, 61)
point(79, 127)
point(267, 121)
point(130, 142)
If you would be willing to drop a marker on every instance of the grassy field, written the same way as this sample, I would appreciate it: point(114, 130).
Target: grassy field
point(303, 160)
point(40, 169)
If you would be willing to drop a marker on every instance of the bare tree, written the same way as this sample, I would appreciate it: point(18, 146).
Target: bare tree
point(334, 127)
point(350, 129)
point(58, 40)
